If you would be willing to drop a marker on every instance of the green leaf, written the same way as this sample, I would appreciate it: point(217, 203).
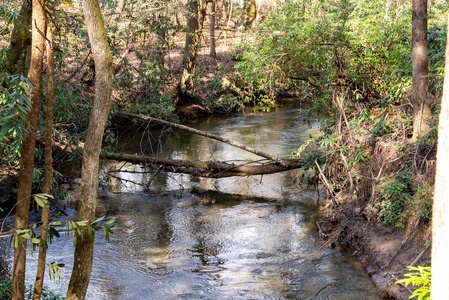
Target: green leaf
point(110, 221)
point(40, 202)
point(43, 200)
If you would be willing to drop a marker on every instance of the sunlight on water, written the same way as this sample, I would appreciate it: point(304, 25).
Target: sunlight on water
point(234, 238)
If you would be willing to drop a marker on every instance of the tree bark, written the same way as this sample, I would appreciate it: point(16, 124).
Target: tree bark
point(212, 51)
point(208, 169)
point(228, 21)
point(48, 169)
point(29, 144)
point(251, 13)
point(83, 257)
point(197, 10)
point(440, 216)
point(421, 101)
point(19, 39)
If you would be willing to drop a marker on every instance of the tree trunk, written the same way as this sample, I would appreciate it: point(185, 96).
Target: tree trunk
point(19, 40)
point(440, 216)
point(228, 21)
point(197, 10)
point(421, 101)
point(48, 169)
point(251, 13)
point(83, 258)
point(212, 51)
point(29, 144)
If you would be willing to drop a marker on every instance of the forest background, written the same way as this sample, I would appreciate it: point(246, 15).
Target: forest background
point(174, 60)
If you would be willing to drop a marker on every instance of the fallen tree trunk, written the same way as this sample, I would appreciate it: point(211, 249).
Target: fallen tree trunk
point(208, 169)
point(209, 135)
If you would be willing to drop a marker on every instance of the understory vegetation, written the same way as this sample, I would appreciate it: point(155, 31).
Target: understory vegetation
point(352, 59)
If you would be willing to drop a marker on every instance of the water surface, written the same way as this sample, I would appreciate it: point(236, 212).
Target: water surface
point(181, 237)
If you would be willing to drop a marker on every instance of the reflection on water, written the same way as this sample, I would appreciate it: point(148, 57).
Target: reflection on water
point(278, 133)
point(245, 238)
point(174, 248)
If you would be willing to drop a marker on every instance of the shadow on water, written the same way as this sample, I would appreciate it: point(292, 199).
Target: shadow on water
point(181, 237)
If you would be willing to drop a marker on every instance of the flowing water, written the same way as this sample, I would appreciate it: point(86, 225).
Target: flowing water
point(180, 237)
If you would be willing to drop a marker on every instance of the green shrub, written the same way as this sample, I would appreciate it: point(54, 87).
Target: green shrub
point(6, 288)
point(395, 194)
point(14, 105)
point(423, 200)
point(422, 278)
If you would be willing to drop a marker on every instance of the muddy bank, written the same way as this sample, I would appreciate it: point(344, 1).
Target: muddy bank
point(385, 251)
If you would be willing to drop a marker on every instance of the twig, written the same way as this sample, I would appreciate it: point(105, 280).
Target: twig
point(351, 181)
point(79, 68)
point(319, 230)
point(400, 283)
point(321, 289)
point(420, 255)
point(332, 238)
point(326, 183)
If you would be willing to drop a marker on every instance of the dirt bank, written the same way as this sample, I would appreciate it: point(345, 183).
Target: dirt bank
point(385, 251)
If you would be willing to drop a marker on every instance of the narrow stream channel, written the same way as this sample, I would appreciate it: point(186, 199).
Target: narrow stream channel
point(180, 237)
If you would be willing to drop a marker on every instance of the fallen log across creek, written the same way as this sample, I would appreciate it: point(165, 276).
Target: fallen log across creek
point(209, 169)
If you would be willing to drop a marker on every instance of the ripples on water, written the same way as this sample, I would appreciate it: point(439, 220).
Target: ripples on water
point(255, 240)
point(174, 248)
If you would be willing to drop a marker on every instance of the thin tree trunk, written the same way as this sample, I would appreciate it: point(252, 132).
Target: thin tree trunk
point(83, 258)
point(29, 144)
point(223, 12)
point(228, 22)
point(19, 39)
point(251, 13)
point(440, 216)
point(421, 101)
point(197, 9)
point(48, 169)
point(212, 51)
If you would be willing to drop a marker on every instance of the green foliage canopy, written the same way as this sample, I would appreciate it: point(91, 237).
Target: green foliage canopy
point(316, 46)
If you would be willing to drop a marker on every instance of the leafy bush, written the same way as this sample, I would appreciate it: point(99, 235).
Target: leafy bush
point(14, 105)
point(421, 277)
point(315, 46)
point(423, 199)
point(6, 289)
point(395, 193)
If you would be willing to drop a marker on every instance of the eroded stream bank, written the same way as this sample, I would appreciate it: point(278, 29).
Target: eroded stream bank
point(232, 238)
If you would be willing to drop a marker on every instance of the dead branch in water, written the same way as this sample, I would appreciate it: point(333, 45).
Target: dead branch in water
point(209, 135)
point(209, 169)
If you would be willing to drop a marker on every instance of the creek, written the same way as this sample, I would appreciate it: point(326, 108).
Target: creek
point(181, 237)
